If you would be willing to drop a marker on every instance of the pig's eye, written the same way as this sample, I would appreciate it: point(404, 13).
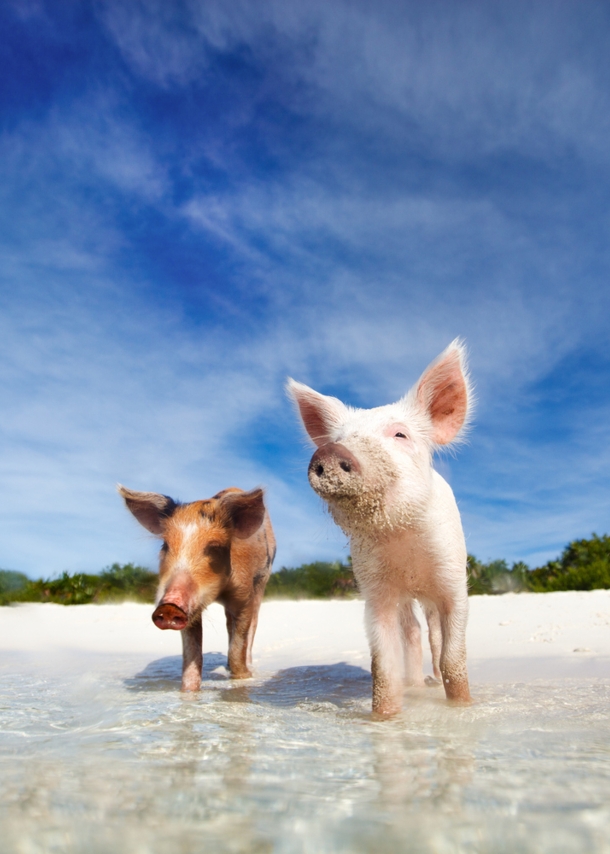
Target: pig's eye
point(164, 547)
point(219, 558)
point(213, 547)
point(399, 436)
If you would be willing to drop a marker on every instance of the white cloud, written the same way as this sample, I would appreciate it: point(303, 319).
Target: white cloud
point(155, 41)
point(468, 78)
point(110, 389)
point(84, 412)
point(421, 286)
point(105, 377)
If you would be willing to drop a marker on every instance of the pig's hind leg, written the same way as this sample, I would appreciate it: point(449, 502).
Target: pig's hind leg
point(412, 649)
point(435, 637)
point(239, 625)
point(259, 582)
point(252, 630)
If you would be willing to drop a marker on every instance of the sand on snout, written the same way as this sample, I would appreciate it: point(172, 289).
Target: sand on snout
point(512, 637)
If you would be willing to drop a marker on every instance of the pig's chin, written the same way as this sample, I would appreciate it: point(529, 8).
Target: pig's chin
point(366, 516)
point(334, 488)
point(366, 513)
point(361, 511)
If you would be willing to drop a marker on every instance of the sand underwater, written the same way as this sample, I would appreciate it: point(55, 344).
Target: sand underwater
point(100, 752)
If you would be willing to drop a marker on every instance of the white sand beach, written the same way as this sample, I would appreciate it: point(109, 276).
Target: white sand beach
point(513, 637)
point(100, 751)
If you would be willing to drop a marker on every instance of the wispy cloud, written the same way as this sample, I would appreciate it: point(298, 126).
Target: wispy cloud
point(478, 77)
point(229, 194)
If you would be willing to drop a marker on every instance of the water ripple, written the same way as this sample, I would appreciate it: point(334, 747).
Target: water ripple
point(117, 759)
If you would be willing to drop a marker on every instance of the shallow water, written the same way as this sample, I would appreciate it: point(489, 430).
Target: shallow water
point(103, 754)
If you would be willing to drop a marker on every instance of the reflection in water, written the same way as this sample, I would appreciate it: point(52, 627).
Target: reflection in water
point(293, 762)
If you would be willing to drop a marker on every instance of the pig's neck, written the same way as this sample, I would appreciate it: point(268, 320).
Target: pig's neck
point(420, 557)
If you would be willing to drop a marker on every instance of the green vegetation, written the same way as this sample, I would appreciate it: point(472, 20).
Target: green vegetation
point(583, 565)
point(114, 584)
point(320, 580)
point(496, 577)
point(11, 583)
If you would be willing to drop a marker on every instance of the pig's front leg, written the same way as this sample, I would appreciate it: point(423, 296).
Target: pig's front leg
point(241, 623)
point(385, 639)
point(192, 657)
point(453, 618)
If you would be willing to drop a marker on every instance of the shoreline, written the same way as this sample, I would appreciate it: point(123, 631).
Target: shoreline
point(511, 637)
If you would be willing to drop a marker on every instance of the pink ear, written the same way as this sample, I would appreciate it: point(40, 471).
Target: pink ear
point(321, 415)
point(443, 391)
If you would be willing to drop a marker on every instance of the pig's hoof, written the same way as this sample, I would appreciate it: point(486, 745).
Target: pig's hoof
point(383, 711)
point(384, 714)
point(241, 674)
point(458, 697)
point(460, 701)
point(190, 687)
point(433, 682)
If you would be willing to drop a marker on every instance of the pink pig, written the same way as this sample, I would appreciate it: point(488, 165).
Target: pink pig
point(373, 467)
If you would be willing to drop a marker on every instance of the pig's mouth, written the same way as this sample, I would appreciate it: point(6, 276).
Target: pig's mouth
point(334, 488)
point(169, 616)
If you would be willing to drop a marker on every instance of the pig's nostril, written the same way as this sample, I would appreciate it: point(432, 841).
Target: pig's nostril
point(328, 463)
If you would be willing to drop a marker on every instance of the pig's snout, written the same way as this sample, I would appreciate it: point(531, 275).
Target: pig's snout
point(333, 469)
point(169, 616)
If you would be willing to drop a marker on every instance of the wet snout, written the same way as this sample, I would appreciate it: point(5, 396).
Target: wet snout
point(177, 601)
point(333, 469)
point(169, 616)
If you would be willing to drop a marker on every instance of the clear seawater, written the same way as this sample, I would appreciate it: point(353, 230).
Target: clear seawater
point(102, 753)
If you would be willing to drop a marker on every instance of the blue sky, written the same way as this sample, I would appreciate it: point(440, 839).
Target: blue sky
point(198, 199)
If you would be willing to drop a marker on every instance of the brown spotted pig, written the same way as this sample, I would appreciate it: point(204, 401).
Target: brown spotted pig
point(217, 550)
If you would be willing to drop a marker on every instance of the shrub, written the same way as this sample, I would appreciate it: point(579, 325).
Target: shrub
point(583, 565)
point(320, 580)
point(127, 581)
point(10, 583)
point(495, 577)
point(114, 584)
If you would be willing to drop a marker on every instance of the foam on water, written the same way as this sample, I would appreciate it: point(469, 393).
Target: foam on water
point(104, 754)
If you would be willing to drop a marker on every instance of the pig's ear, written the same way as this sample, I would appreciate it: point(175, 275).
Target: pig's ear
point(444, 393)
point(247, 511)
point(321, 415)
point(151, 509)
